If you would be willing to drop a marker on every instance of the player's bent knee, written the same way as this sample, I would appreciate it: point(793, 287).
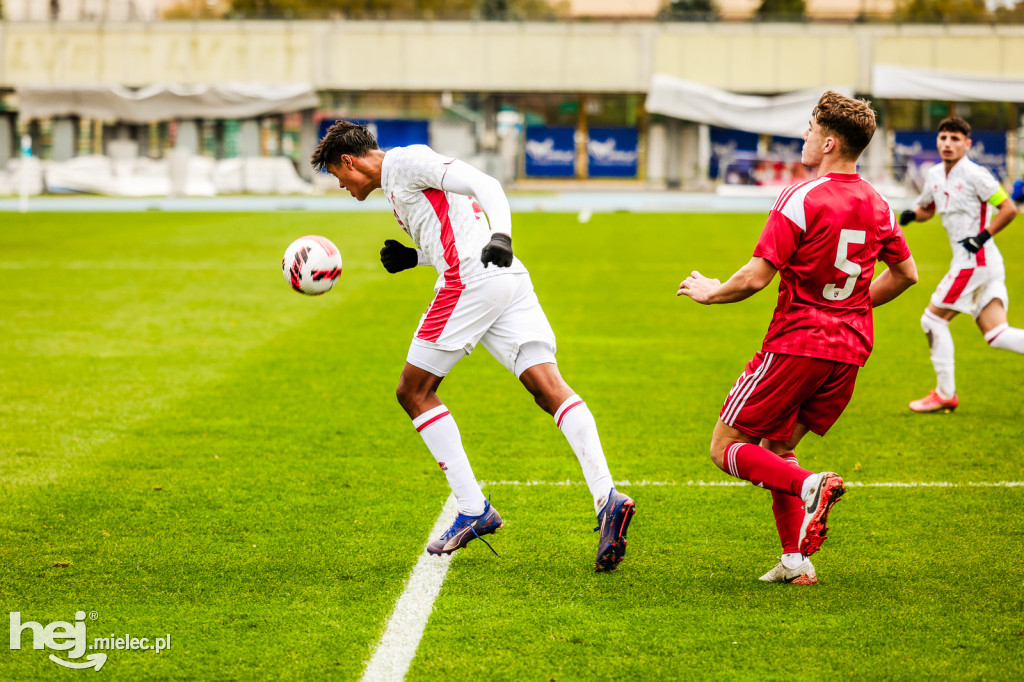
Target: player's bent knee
point(717, 453)
point(414, 400)
point(719, 460)
point(404, 395)
point(413, 392)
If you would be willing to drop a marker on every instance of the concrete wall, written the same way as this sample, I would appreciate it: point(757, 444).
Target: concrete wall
point(614, 8)
point(494, 57)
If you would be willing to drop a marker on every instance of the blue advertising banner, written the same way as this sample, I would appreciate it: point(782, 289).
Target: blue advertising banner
point(731, 147)
point(612, 152)
point(785, 148)
point(914, 152)
point(390, 133)
point(735, 159)
point(781, 167)
point(989, 150)
point(550, 152)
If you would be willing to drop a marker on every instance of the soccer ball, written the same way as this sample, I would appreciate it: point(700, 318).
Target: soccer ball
point(311, 265)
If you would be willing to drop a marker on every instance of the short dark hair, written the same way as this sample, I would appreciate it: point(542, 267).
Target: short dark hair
point(955, 124)
point(344, 137)
point(850, 120)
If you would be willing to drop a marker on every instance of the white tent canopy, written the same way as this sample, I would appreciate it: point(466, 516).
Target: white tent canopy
point(163, 102)
point(900, 82)
point(772, 115)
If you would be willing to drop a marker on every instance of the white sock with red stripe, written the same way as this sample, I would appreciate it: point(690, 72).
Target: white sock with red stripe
point(940, 343)
point(439, 431)
point(1006, 337)
point(577, 424)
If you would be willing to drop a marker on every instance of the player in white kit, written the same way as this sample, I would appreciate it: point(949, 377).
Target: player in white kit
point(460, 221)
point(961, 192)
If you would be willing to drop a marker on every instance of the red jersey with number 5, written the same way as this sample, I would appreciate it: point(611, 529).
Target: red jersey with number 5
point(825, 236)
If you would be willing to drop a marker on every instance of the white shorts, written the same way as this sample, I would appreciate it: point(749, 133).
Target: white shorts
point(500, 312)
point(969, 290)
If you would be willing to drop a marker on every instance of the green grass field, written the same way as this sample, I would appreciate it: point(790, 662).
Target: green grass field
point(188, 447)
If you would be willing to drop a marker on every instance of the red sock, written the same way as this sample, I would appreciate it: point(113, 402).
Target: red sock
point(789, 514)
point(764, 468)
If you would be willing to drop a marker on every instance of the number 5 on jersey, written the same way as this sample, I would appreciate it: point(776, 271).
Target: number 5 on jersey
point(846, 237)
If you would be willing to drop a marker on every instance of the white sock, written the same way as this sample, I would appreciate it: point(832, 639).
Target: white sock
point(1006, 337)
point(573, 417)
point(439, 431)
point(793, 560)
point(940, 342)
point(805, 490)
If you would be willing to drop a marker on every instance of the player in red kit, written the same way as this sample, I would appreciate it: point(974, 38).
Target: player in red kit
point(823, 237)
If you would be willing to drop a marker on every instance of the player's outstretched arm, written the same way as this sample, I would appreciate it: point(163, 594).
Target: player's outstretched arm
point(462, 178)
point(893, 281)
point(747, 281)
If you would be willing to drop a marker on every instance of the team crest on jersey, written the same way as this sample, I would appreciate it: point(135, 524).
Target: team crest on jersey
point(478, 210)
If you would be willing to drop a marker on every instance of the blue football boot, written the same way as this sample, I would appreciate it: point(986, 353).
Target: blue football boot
point(467, 528)
point(612, 522)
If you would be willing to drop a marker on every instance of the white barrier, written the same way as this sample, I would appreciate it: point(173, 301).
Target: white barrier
point(176, 176)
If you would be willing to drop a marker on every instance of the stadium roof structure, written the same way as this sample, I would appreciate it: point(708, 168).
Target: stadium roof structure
point(163, 102)
point(900, 82)
point(784, 114)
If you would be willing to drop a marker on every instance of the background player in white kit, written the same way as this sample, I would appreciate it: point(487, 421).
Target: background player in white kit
point(441, 202)
point(961, 191)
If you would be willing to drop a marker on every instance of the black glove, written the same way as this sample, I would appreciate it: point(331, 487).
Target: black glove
point(974, 244)
point(497, 251)
point(397, 257)
point(908, 217)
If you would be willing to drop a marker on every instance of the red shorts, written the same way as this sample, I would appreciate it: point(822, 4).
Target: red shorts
point(776, 392)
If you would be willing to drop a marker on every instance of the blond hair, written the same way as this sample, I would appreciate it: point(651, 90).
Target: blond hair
point(851, 121)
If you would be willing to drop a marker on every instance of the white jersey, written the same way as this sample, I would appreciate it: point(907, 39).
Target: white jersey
point(961, 199)
point(450, 229)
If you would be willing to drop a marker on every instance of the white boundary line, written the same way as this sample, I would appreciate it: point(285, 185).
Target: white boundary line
point(397, 646)
point(728, 484)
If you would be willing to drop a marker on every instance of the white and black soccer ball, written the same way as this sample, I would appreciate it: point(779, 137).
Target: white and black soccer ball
point(311, 265)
